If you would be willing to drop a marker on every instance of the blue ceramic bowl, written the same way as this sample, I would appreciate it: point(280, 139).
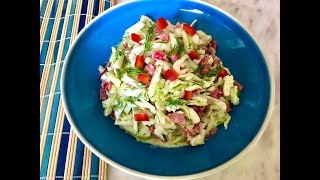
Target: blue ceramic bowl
point(236, 47)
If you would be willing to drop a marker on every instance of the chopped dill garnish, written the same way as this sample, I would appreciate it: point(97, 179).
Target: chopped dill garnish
point(177, 48)
point(120, 72)
point(173, 50)
point(119, 105)
point(149, 37)
point(175, 102)
point(132, 71)
point(212, 72)
point(131, 99)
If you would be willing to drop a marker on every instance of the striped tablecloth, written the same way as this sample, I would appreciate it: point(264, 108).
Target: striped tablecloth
point(62, 154)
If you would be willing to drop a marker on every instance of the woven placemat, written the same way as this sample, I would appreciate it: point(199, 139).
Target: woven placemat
point(62, 154)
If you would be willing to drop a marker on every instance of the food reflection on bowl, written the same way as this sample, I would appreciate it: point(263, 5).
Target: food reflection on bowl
point(237, 49)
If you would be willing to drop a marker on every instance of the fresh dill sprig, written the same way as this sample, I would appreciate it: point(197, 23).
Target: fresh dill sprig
point(179, 48)
point(119, 52)
point(149, 37)
point(132, 71)
point(212, 72)
point(175, 102)
point(197, 71)
point(119, 105)
point(120, 72)
point(173, 50)
point(131, 99)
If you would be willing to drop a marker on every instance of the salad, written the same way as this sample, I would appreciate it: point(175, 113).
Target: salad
point(164, 85)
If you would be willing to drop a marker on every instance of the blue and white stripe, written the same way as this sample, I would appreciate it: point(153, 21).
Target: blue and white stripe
point(62, 155)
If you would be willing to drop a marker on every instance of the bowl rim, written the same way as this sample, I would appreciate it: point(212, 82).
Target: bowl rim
point(152, 176)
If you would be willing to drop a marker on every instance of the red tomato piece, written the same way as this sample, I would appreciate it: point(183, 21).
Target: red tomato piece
point(162, 23)
point(222, 73)
point(194, 54)
point(171, 75)
point(189, 29)
point(144, 78)
point(187, 95)
point(135, 37)
point(141, 117)
point(139, 61)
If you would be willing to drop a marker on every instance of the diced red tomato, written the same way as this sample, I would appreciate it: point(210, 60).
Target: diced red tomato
point(177, 118)
point(204, 60)
point(228, 107)
point(187, 95)
point(107, 86)
point(174, 57)
point(196, 128)
point(103, 95)
point(135, 37)
point(213, 44)
point(159, 55)
point(171, 75)
point(217, 93)
point(162, 23)
point(141, 117)
point(196, 92)
point(206, 68)
point(212, 132)
point(139, 61)
point(189, 29)
point(164, 37)
point(222, 73)
point(194, 54)
point(188, 143)
point(150, 68)
point(144, 78)
point(236, 83)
